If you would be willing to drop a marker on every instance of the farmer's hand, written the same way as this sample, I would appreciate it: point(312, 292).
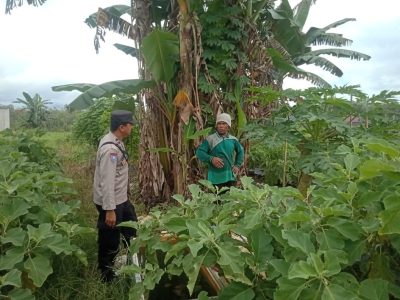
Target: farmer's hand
point(111, 218)
point(235, 170)
point(217, 162)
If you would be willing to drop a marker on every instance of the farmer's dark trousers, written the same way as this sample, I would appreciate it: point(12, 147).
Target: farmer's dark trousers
point(225, 184)
point(109, 238)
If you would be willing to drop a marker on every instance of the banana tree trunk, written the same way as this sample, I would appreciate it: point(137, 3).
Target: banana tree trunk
point(152, 180)
point(187, 100)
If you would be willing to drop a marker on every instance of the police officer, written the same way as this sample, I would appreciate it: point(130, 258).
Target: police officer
point(110, 192)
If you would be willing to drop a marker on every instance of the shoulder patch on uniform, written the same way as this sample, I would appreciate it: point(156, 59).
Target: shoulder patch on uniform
point(113, 157)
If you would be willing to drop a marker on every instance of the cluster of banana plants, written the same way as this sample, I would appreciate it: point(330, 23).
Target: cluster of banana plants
point(36, 215)
point(339, 241)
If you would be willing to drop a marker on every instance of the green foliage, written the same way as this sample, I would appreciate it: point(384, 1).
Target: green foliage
point(93, 123)
point(223, 37)
point(161, 53)
point(268, 157)
point(36, 223)
point(339, 242)
point(318, 122)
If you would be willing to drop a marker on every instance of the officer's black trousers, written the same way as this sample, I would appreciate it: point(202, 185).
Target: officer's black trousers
point(109, 238)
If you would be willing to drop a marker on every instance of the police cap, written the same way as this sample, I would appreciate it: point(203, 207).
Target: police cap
point(120, 117)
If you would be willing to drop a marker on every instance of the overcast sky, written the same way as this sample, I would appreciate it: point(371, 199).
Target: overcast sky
point(51, 45)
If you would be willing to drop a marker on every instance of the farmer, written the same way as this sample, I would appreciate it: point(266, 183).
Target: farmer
point(222, 153)
point(110, 192)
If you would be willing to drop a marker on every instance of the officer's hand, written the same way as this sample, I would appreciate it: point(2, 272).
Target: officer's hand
point(217, 162)
point(111, 218)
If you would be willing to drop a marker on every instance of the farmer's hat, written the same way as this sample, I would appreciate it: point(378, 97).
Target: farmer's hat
point(224, 117)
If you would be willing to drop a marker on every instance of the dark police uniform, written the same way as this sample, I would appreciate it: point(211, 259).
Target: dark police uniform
point(110, 192)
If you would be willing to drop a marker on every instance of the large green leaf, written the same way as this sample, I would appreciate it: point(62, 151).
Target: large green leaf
point(12, 209)
point(382, 146)
point(86, 99)
point(231, 262)
point(176, 224)
point(58, 244)
point(336, 292)
point(374, 167)
point(390, 217)
point(351, 162)
point(294, 216)
point(21, 294)
point(260, 243)
point(237, 291)
point(39, 269)
point(11, 258)
point(349, 229)
point(40, 233)
point(329, 239)
point(375, 289)
point(192, 265)
point(289, 289)
point(15, 236)
point(299, 240)
point(161, 52)
point(13, 278)
point(302, 270)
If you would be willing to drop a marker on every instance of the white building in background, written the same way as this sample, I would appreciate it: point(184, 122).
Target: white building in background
point(4, 118)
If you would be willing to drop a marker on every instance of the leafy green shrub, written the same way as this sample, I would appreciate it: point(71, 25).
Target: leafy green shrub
point(341, 241)
point(36, 221)
point(314, 125)
point(277, 161)
point(94, 123)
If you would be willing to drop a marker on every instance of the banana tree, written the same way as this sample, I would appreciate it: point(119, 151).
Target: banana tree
point(173, 100)
point(37, 109)
point(188, 77)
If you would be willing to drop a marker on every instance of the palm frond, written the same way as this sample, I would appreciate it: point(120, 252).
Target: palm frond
point(316, 36)
point(337, 23)
point(285, 9)
point(19, 100)
point(309, 76)
point(319, 61)
point(81, 87)
point(107, 20)
point(301, 11)
point(341, 53)
point(127, 50)
point(129, 86)
point(11, 4)
point(116, 10)
point(277, 46)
